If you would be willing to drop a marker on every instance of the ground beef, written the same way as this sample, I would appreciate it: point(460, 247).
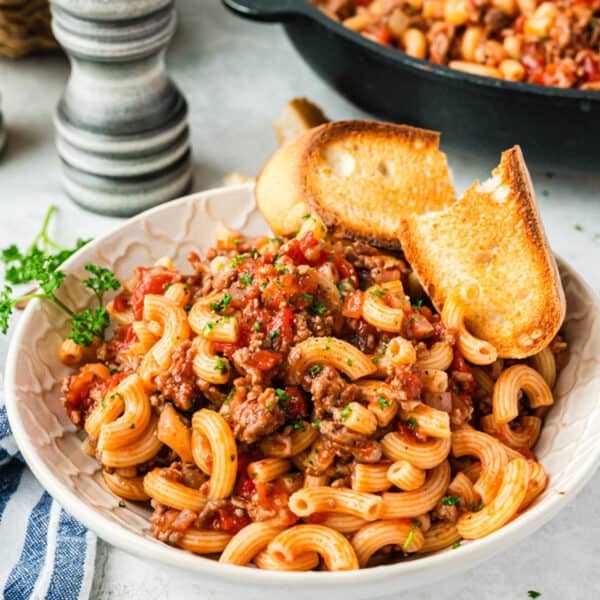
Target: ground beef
point(329, 391)
point(331, 394)
point(351, 443)
point(185, 473)
point(406, 385)
point(462, 409)
point(243, 363)
point(211, 392)
point(445, 513)
point(254, 412)
point(178, 382)
point(168, 524)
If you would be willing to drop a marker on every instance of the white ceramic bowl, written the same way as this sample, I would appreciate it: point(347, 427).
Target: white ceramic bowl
point(569, 446)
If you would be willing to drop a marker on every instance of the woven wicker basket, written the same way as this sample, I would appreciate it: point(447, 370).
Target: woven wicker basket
point(25, 27)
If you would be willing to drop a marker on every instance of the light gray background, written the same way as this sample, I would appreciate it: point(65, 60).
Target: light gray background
point(237, 76)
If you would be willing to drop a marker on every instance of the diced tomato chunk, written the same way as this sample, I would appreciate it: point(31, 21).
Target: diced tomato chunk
point(353, 304)
point(152, 280)
point(77, 387)
point(264, 360)
point(281, 329)
point(345, 269)
point(297, 404)
point(229, 519)
point(112, 382)
point(459, 364)
point(121, 302)
point(316, 518)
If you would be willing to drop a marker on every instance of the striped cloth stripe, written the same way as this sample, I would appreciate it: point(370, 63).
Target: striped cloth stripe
point(44, 552)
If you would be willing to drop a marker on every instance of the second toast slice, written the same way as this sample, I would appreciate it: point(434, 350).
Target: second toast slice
point(492, 236)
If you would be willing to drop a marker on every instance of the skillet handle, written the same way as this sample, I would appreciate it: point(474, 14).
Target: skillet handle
point(268, 11)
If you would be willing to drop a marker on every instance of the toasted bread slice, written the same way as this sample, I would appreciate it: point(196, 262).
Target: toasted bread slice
point(360, 177)
point(298, 115)
point(492, 236)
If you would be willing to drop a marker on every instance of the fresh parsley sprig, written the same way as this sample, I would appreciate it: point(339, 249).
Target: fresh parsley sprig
point(40, 263)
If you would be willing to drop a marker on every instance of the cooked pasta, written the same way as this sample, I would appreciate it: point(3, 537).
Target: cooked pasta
point(288, 406)
point(507, 388)
point(479, 352)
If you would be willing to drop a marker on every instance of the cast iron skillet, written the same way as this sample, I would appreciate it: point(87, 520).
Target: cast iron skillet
point(558, 129)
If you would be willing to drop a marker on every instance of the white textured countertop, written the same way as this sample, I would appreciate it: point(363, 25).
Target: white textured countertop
point(237, 76)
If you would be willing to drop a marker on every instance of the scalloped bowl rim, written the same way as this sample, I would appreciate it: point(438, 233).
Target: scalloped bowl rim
point(425, 569)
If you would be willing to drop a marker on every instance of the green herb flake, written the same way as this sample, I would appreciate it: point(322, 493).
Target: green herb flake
point(208, 328)
point(221, 365)
point(346, 412)
point(308, 298)
point(411, 535)
point(378, 292)
point(256, 326)
point(533, 594)
point(383, 402)
point(349, 362)
point(318, 308)
point(456, 545)
point(274, 334)
point(245, 279)
point(222, 304)
point(121, 504)
point(412, 423)
point(315, 370)
point(450, 500)
point(578, 227)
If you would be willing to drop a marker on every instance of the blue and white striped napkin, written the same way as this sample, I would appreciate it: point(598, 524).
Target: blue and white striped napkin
point(44, 552)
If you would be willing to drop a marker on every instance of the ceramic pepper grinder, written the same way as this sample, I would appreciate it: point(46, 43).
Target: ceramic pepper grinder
point(121, 125)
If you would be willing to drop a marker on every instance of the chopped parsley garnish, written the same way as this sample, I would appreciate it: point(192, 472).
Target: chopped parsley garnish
point(456, 545)
point(308, 298)
point(412, 423)
point(246, 279)
point(318, 308)
point(229, 397)
point(263, 286)
point(578, 227)
point(38, 263)
point(378, 292)
point(450, 500)
point(411, 535)
point(306, 216)
point(222, 304)
point(282, 397)
point(533, 594)
point(315, 370)
point(121, 504)
point(274, 334)
point(299, 425)
point(208, 328)
point(132, 426)
point(317, 423)
point(383, 402)
point(221, 365)
point(256, 326)
point(349, 362)
point(375, 360)
point(346, 412)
